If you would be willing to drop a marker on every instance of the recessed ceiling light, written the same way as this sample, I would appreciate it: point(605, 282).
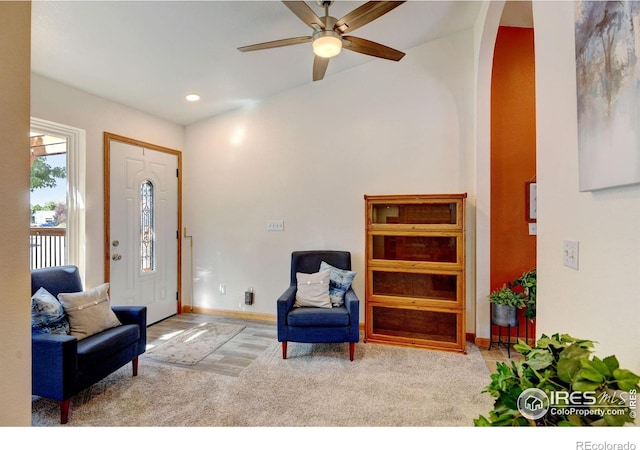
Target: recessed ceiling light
point(192, 97)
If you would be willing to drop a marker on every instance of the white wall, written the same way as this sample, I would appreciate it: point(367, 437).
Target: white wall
point(485, 31)
point(310, 155)
point(62, 104)
point(599, 301)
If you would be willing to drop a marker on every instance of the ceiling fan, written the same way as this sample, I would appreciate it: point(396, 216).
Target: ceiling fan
point(328, 38)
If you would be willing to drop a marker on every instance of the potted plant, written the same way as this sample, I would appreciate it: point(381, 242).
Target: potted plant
point(528, 283)
point(560, 383)
point(505, 302)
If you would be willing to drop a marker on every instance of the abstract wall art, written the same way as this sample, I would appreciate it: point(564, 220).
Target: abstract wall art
point(607, 43)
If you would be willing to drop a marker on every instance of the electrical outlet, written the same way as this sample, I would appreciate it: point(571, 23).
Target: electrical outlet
point(248, 298)
point(275, 225)
point(570, 254)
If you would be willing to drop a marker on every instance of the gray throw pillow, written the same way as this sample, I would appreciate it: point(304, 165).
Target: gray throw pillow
point(89, 312)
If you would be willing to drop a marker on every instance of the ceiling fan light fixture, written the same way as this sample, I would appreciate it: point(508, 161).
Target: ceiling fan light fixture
point(327, 44)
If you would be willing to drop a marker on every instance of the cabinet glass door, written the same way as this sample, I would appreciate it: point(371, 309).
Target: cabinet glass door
point(434, 249)
point(417, 214)
point(426, 286)
point(415, 324)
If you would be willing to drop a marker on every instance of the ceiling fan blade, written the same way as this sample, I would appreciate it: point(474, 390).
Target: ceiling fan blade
point(364, 14)
point(274, 44)
point(304, 13)
point(371, 48)
point(319, 67)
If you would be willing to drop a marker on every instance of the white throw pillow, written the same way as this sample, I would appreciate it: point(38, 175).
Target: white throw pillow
point(89, 312)
point(313, 289)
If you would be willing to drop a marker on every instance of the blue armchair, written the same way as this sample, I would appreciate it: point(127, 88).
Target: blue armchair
point(314, 324)
point(62, 365)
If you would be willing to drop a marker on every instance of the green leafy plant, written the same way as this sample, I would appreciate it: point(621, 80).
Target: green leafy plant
point(508, 297)
point(44, 176)
point(528, 283)
point(562, 363)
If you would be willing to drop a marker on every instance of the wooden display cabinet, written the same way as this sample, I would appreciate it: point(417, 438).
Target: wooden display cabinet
point(415, 270)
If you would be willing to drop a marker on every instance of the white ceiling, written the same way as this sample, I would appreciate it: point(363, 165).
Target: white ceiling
point(150, 54)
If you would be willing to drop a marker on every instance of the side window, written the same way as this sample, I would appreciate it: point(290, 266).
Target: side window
point(48, 159)
point(58, 181)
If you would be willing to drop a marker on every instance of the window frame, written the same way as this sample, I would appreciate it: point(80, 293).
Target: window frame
point(76, 186)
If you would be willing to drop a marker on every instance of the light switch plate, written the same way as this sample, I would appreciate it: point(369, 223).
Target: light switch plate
point(570, 254)
point(275, 225)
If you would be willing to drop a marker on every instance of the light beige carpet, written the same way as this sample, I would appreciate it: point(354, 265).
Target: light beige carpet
point(193, 345)
point(316, 386)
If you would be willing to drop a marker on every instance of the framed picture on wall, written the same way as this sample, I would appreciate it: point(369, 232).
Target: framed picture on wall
point(531, 200)
point(608, 87)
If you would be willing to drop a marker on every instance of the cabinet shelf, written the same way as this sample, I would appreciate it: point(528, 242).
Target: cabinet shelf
point(415, 270)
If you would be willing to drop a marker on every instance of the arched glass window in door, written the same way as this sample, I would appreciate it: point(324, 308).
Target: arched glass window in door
point(147, 227)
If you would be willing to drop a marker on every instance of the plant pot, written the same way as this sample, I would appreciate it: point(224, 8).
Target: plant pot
point(503, 315)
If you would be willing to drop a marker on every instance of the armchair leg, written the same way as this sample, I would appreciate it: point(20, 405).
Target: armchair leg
point(64, 410)
point(284, 349)
point(134, 364)
point(352, 350)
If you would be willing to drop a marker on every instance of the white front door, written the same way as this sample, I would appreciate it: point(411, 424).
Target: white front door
point(143, 237)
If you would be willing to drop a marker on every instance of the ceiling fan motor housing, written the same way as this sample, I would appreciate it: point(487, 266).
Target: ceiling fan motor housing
point(328, 42)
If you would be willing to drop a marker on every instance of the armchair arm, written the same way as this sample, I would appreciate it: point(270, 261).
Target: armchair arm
point(134, 315)
point(285, 302)
point(352, 303)
point(54, 365)
point(284, 305)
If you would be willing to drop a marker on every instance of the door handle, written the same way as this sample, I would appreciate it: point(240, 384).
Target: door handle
point(116, 257)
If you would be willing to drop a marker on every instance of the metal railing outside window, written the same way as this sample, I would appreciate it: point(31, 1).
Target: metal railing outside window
point(47, 246)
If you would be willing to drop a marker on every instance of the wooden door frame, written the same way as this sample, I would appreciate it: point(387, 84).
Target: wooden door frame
point(108, 137)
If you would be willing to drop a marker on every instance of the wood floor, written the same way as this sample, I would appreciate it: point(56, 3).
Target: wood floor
point(498, 354)
point(235, 355)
